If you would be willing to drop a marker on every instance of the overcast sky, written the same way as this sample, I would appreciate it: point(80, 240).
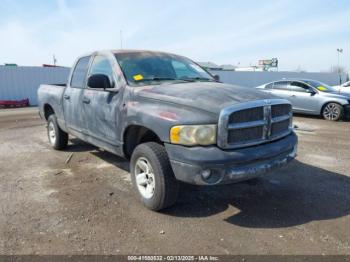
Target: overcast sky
point(299, 33)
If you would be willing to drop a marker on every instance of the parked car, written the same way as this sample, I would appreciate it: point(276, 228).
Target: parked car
point(311, 97)
point(343, 88)
point(171, 119)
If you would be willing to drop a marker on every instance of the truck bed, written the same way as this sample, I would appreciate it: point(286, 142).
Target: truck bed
point(51, 95)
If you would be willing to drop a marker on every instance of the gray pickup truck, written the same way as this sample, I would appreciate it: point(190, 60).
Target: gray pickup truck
point(171, 118)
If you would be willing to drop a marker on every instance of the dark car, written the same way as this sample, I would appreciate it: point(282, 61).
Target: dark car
point(171, 118)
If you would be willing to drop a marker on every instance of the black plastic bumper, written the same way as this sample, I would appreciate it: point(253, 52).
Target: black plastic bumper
point(347, 111)
point(212, 165)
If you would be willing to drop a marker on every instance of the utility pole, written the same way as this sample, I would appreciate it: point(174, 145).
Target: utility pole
point(339, 51)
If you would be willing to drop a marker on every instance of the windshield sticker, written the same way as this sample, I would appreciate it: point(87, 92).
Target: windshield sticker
point(138, 77)
point(322, 88)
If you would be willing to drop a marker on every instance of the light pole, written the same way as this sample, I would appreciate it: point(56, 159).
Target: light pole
point(339, 51)
point(54, 60)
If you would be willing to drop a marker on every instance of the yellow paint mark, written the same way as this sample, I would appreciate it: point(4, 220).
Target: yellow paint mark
point(138, 77)
point(322, 88)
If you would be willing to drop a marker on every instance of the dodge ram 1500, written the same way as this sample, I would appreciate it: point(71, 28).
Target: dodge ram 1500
point(171, 118)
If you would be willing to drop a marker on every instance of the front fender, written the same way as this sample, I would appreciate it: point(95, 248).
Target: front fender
point(160, 116)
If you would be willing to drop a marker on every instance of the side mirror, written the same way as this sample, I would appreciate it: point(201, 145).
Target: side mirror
point(310, 91)
point(99, 81)
point(217, 78)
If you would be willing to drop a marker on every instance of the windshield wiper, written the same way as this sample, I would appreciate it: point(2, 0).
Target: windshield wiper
point(194, 79)
point(165, 79)
point(187, 79)
point(156, 79)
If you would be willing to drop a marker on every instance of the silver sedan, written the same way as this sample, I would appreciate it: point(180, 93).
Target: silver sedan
point(311, 97)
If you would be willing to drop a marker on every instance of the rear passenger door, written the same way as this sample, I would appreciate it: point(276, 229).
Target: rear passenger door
point(280, 88)
point(72, 98)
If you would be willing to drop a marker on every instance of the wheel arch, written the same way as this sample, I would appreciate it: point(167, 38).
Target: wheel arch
point(135, 135)
point(48, 110)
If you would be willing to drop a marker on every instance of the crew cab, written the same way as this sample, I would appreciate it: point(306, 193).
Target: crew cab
point(172, 119)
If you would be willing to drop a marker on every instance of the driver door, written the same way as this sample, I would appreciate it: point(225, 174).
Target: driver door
point(100, 106)
point(303, 97)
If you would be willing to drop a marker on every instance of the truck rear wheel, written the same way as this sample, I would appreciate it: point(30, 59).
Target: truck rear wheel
point(153, 177)
point(57, 137)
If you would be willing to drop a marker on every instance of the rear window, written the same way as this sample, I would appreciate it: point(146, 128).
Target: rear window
point(79, 73)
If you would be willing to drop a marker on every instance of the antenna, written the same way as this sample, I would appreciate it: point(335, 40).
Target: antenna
point(121, 39)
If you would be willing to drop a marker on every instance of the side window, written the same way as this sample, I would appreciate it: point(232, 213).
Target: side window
point(101, 65)
point(79, 73)
point(298, 87)
point(269, 86)
point(281, 85)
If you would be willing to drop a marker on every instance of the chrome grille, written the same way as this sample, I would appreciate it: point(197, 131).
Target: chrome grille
point(247, 115)
point(246, 134)
point(280, 110)
point(254, 123)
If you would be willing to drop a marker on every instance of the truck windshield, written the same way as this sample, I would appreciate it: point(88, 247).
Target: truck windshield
point(148, 68)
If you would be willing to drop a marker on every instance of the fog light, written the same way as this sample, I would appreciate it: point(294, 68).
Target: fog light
point(206, 174)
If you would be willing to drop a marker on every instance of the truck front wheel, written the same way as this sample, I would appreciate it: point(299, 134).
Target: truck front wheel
point(153, 177)
point(57, 137)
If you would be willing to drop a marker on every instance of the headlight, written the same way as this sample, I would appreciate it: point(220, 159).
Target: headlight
point(193, 135)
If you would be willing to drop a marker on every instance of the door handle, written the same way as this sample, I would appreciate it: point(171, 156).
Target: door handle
point(86, 100)
point(67, 97)
point(293, 95)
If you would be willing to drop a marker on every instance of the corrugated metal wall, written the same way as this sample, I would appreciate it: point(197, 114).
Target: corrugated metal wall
point(253, 79)
point(17, 83)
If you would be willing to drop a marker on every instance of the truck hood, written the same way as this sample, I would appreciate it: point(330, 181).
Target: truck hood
point(208, 96)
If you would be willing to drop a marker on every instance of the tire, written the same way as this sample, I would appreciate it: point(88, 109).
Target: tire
point(57, 137)
point(156, 184)
point(333, 112)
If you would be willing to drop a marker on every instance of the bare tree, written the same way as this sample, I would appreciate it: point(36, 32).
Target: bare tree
point(338, 69)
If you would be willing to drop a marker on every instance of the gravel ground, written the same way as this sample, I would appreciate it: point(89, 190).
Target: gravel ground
point(87, 206)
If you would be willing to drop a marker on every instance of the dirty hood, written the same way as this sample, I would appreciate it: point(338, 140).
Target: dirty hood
point(208, 96)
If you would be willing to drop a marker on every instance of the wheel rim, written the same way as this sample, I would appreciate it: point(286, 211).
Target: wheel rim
point(331, 112)
point(52, 133)
point(144, 177)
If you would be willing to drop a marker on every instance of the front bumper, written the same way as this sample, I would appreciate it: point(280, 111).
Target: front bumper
point(193, 164)
point(347, 111)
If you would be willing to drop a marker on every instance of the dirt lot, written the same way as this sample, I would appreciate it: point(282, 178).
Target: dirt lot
point(87, 206)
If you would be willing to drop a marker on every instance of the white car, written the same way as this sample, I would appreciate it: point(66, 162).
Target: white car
point(343, 88)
